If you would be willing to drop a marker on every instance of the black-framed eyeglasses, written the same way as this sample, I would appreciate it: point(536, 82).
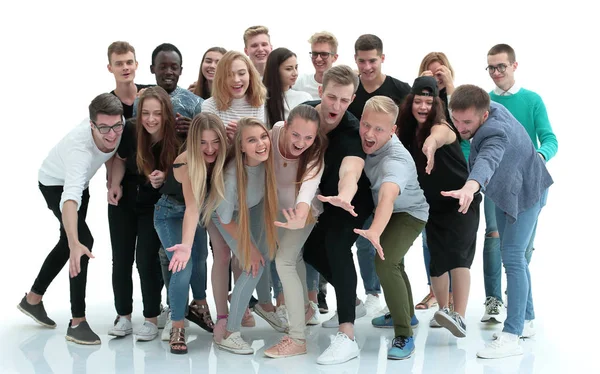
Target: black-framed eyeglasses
point(324, 55)
point(117, 128)
point(500, 68)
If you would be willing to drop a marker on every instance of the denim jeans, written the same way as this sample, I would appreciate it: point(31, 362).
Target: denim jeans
point(312, 279)
point(168, 222)
point(246, 283)
point(427, 258)
point(492, 258)
point(514, 240)
point(366, 254)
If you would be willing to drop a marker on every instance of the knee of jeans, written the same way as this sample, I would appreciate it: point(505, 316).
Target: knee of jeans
point(492, 232)
point(513, 260)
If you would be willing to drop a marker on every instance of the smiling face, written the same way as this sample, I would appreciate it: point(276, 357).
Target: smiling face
point(167, 69)
point(300, 134)
point(123, 67)
point(152, 119)
point(376, 129)
point(256, 144)
point(506, 79)
point(468, 121)
point(258, 49)
point(321, 64)
point(421, 107)
point(106, 142)
point(209, 65)
point(238, 79)
point(288, 71)
point(369, 64)
point(210, 144)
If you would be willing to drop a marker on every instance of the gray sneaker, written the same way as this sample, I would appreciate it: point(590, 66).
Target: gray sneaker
point(82, 334)
point(36, 312)
point(452, 321)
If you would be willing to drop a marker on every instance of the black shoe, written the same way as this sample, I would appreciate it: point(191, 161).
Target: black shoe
point(37, 312)
point(252, 302)
point(82, 334)
point(323, 308)
point(200, 315)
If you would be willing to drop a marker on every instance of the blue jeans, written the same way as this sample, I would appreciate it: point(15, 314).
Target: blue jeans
point(427, 258)
point(168, 222)
point(492, 258)
point(366, 262)
point(246, 283)
point(514, 240)
point(312, 279)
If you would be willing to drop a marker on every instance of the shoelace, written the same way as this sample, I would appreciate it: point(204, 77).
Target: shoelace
point(387, 316)
point(337, 341)
point(238, 341)
point(493, 304)
point(400, 342)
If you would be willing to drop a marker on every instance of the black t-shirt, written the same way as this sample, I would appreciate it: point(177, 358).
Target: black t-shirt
point(133, 178)
point(391, 87)
point(344, 141)
point(449, 173)
point(128, 109)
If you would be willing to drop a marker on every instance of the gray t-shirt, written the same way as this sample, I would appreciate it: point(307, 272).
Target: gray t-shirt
point(393, 163)
point(255, 190)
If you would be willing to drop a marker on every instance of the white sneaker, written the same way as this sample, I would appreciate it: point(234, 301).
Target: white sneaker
point(147, 332)
point(282, 314)
point(271, 317)
point(372, 304)
point(505, 346)
point(122, 327)
point(528, 331)
point(315, 318)
point(433, 323)
point(235, 344)
point(162, 318)
point(341, 349)
point(495, 311)
point(166, 333)
point(385, 310)
point(359, 312)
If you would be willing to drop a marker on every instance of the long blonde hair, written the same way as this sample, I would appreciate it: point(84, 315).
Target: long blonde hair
point(197, 168)
point(256, 93)
point(270, 199)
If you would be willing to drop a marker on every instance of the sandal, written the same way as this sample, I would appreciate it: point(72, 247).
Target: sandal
point(200, 315)
point(177, 341)
point(427, 302)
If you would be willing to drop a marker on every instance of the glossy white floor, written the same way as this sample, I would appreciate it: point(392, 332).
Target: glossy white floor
point(29, 348)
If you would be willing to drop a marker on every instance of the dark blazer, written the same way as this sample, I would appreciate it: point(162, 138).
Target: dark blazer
point(506, 165)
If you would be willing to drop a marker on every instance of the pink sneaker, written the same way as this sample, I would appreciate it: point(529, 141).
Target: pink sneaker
point(286, 347)
point(248, 320)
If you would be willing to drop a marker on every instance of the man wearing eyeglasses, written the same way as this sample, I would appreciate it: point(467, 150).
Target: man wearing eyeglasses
point(529, 109)
point(323, 53)
point(63, 180)
point(368, 55)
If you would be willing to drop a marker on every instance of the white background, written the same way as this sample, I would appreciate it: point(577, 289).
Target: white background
point(53, 63)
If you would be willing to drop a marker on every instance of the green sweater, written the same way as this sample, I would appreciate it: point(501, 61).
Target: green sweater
point(529, 109)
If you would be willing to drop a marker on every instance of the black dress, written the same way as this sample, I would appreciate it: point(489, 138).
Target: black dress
point(451, 235)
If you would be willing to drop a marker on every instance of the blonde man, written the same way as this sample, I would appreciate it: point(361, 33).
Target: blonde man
point(257, 46)
point(323, 53)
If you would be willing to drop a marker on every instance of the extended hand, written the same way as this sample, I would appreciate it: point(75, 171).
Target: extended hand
point(75, 254)
point(180, 257)
point(294, 221)
point(339, 202)
point(373, 237)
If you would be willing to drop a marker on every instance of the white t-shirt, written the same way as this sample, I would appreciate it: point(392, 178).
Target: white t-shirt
point(73, 162)
point(307, 83)
point(293, 98)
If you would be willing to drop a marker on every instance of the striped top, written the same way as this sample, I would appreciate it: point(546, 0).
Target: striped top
point(239, 108)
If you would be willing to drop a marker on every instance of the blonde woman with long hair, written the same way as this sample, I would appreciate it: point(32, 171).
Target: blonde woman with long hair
point(192, 191)
point(245, 220)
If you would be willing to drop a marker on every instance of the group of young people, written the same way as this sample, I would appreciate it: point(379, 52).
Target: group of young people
point(281, 174)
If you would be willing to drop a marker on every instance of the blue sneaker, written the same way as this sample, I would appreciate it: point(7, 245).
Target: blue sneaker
point(386, 321)
point(402, 348)
point(414, 322)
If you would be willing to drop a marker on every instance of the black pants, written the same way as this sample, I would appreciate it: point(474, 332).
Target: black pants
point(132, 236)
point(59, 256)
point(329, 250)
